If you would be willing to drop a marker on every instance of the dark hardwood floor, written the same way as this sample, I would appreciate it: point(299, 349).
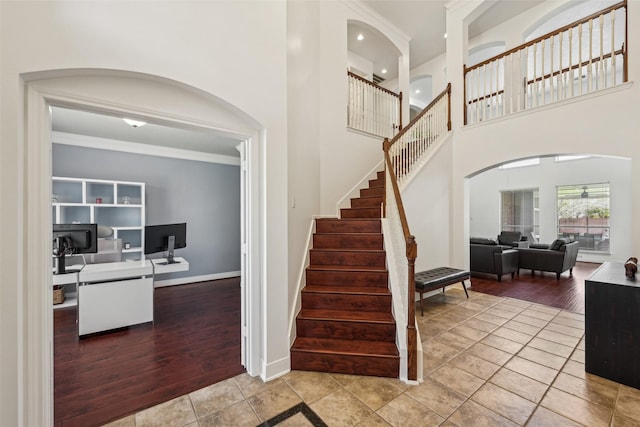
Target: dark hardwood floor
point(542, 288)
point(194, 342)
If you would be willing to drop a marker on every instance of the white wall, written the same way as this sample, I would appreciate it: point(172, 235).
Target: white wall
point(219, 48)
point(485, 188)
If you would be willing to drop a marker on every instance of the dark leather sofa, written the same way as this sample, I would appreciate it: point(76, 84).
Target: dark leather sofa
point(510, 238)
point(557, 257)
point(486, 256)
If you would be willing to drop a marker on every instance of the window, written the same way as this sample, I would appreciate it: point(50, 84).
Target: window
point(583, 215)
point(520, 212)
point(520, 163)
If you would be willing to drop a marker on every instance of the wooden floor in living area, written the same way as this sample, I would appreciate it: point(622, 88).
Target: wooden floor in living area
point(194, 342)
point(542, 288)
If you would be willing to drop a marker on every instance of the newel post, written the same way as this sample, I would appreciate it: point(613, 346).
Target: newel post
point(412, 338)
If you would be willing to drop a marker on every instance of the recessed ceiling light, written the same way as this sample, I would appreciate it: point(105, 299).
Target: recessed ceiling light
point(384, 71)
point(360, 37)
point(417, 90)
point(445, 35)
point(134, 123)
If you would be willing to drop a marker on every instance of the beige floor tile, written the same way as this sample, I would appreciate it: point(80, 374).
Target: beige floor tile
point(559, 338)
point(505, 403)
point(571, 315)
point(456, 341)
point(509, 306)
point(491, 318)
point(129, 421)
point(435, 396)
point(489, 353)
point(472, 414)
point(545, 308)
point(578, 356)
point(576, 409)
point(531, 369)
point(239, 415)
point(397, 383)
point(404, 411)
point(249, 385)
point(480, 325)
point(495, 311)
point(542, 315)
point(373, 392)
point(522, 327)
point(572, 323)
point(577, 370)
point(513, 335)
point(474, 365)
point(215, 397)
point(628, 403)
point(457, 379)
point(297, 420)
point(517, 302)
point(274, 400)
point(454, 317)
point(467, 332)
point(502, 343)
point(176, 412)
point(581, 344)
point(533, 321)
point(593, 391)
point(542, 357)
point(622, 421)
point(543, 417)
point(520, 384)
point(311, 386)
point(341, 408)
point(430, 364)
point(344, 379)
point(435, 348)
point(428, 330)
point(551, 347)
point(472, 306)
point(373, 420)
point(567, 330)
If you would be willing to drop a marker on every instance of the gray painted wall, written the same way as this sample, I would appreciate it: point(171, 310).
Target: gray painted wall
point(204, 195)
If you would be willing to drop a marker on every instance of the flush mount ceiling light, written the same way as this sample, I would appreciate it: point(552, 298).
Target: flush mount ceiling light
point(585, 194)
point(134, 123)
point(360, 37)
point(383, 71)
point(417, 90)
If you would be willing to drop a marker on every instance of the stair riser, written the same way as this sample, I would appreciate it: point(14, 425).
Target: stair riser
point(366, 202)
point(342, 241)
point(345, 364)
point(350, 226)
point(367, 192)
point(337, 301)
point(347, 258)
point(379, 182)
point(374, 212)
point(345, 330)
point(339, 278)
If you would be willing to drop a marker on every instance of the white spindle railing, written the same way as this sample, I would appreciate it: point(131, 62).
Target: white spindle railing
point(373, 109)
point(579, 58)
point(409, 147)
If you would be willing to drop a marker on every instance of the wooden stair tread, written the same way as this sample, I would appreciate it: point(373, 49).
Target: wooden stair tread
point(355, 290)
point(363, 268)
point(347, 315)
point(348, 233)
point(348, 347)
point(364, 251)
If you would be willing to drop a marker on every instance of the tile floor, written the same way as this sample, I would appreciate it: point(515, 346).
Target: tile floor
point(488, 361)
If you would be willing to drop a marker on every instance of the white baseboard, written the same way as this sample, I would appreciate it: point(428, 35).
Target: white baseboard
point(277, 369)
point(193, 279)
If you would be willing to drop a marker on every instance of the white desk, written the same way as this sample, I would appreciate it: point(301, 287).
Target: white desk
point(116, 294)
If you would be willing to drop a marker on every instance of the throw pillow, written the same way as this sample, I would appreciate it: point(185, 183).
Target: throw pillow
point(557, 244)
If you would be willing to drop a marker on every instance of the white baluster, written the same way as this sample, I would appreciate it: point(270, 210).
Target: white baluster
point(613, 48)
point(590, 69)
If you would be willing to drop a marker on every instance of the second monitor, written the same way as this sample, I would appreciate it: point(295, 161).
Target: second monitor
point(165, 238)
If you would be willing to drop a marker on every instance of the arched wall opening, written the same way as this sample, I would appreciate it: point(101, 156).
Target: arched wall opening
point(144, 97)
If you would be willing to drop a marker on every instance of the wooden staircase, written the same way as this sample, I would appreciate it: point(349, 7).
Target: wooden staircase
point(345, 324)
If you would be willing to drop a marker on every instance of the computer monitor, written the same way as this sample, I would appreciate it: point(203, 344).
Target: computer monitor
point(165, 238)
point(72, 239)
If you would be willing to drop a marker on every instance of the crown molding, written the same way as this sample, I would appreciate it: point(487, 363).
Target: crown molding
point(137, 148)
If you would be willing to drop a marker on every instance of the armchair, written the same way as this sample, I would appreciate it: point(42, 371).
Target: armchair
point(510, 238)
point(558, 257)
point(486, 256)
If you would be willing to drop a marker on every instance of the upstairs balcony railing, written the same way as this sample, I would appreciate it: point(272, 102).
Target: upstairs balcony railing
point(373, 109)
point(582, 57)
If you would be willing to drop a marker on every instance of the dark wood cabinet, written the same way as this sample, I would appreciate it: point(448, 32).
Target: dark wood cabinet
point(612, 325)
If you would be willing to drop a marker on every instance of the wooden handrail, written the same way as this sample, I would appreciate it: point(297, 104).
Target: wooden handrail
point(548, 35)
point(446, 91)
point(370, 83)
point(411, 253)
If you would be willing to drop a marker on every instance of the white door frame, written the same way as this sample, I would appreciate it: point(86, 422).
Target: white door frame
point(37, 395)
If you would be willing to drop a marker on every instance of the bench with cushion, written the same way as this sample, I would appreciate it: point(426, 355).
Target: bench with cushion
point(430, 280)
